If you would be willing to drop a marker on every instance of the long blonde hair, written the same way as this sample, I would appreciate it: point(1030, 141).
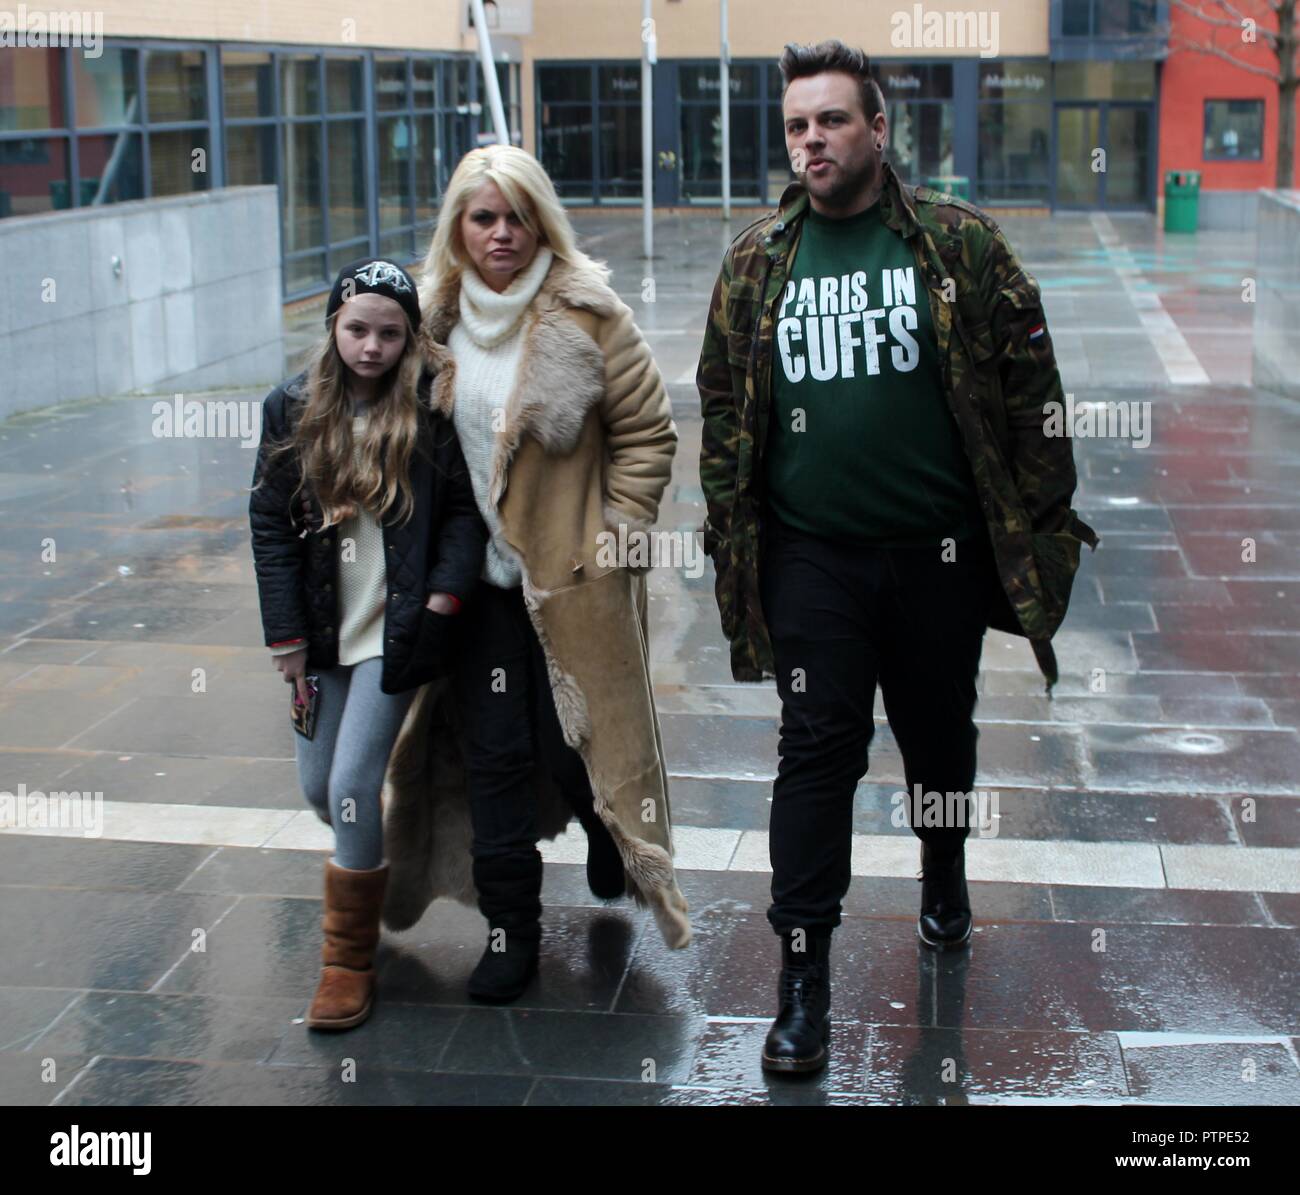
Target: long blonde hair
point(527, 188)
point(378, 477)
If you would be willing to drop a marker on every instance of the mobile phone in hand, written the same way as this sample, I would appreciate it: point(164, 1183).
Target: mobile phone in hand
point(302, 714)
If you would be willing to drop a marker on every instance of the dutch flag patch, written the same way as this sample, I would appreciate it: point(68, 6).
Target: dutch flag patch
point(1036, 331)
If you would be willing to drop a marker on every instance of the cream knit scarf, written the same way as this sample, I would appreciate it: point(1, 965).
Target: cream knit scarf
point(490, 317)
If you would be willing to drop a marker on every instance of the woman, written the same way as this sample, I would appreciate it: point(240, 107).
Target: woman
point(366, 540)
point(568, 434)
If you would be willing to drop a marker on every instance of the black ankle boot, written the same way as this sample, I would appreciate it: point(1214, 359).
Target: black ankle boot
point(945, 920)
point(605, 875)
point(509, 893)
point(801, 1032)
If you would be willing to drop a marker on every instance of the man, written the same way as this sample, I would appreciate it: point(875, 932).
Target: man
point(880, 489)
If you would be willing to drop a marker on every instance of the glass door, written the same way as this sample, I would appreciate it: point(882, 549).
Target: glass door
point(1124, 132)
point(1128, 155)
point(1078, 135)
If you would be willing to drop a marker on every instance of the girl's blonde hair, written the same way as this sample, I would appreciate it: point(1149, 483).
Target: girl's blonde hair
point(375, 473)
point(527, 188)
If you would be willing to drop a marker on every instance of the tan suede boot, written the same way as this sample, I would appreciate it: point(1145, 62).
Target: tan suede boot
point(353, 900)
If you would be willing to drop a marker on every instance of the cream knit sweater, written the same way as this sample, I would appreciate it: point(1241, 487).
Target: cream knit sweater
point(486, 344)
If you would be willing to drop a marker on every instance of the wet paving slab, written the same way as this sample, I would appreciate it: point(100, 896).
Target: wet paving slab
point(1137, 912)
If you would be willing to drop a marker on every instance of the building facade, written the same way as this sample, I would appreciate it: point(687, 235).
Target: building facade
point(360, 119)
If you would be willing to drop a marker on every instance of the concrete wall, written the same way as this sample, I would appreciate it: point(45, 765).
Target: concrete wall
point(1234, 211)
point(1277, 296)
point(196, 303)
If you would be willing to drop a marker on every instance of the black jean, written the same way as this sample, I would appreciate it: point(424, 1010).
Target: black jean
point(843, 618)
point(510, 723)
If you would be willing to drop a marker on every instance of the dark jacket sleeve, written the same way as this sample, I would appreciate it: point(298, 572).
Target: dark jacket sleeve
point(1041, 464)
point(279, 552)
point(720, 435)
point(460, 536)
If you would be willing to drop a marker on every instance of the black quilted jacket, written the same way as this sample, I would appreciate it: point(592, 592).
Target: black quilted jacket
point(440, 548)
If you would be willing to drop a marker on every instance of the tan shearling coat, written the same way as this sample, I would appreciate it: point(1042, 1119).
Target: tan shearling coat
point(587, 444)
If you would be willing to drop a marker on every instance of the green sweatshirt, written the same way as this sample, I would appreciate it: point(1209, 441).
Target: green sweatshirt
point(862, 447)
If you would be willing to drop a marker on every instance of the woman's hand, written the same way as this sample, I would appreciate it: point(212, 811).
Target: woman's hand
point(293, 667)
point(443, 603)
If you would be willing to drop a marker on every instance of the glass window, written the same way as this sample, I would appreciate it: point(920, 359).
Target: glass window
point(620, 150)
point(701, 165)
point(425, 152)
point(343, 84)
point(1234, 129)
point(1076, 18)
point(33, 176)
point(305, 273)
point(620, 82)
point(920, 139)
point(779, 171)
point(460, 71)
point(178, 161)
point(390, 83)
point(567, 147)
point(300, 186)
point(112, 165)
point(347, 160)
point(250, 155)
point(394, 177)
point(343, 255)
point(300, 85)
point(176, 85)
point(398, 246)
point(1014, 151)
point(561, 83)
point(106, 88)
point(31, 89)
point(247, 83)
point(1118, 18)
point(424, 83)
point(1105, 80)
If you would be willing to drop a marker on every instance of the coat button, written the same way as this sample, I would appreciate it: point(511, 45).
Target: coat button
point(329, 630)
point(576, 565)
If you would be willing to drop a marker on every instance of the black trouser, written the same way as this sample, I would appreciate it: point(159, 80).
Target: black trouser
point(842, 617)
point(510, 723)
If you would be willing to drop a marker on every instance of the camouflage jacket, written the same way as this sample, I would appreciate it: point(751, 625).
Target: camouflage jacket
point(999, 371)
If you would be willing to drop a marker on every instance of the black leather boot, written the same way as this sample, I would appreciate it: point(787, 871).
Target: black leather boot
point(945, 920)
point(509, 896)
point(605, 875)
point(798, 1039)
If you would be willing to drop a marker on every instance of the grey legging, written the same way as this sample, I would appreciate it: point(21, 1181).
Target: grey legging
point(341, 768)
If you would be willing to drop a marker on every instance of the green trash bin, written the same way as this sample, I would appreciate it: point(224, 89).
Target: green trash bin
point(1182, 200)
point(954, 184)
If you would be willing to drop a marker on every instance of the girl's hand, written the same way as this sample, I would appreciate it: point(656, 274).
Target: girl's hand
point(293, 667)
point(443, 603)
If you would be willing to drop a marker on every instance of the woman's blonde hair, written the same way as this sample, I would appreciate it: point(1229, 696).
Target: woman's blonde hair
point(527, 188)
point(375, 473)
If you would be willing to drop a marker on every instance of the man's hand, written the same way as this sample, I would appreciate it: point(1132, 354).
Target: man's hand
point(293, 667)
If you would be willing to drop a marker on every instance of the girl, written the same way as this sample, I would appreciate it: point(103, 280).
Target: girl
point(366, 541)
